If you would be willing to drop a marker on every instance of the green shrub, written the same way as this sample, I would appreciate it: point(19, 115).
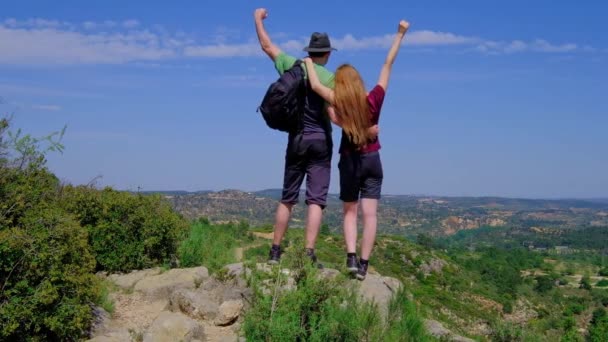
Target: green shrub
point(126, 231)
point(544, 284)
point(211, 246)
point(46, 273)
point(585, 283)
point(602, 283)
point(598, 331)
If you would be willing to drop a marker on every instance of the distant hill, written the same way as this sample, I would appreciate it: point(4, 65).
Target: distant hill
point(402, 214)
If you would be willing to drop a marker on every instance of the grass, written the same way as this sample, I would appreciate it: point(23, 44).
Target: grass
point(318, 312)
point(212, 246)
point(104, 301)
point(321, 309)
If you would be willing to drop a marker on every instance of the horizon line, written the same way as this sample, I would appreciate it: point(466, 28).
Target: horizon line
point(389, 194)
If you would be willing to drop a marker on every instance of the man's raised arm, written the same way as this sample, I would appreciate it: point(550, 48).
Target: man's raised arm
point(267, 46)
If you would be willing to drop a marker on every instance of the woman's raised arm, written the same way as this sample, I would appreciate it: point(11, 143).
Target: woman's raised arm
point(392, 54)
point(326, 93)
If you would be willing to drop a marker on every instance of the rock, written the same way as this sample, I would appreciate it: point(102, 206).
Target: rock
point(329, 273)
point(522, 313)
point(101, 318)
point(432, 266)
point(481, 328)
point(211, 284)
point(236, 293)
point(393, 284)
point(237, 269)
point(162, 285)
point(196, 304)
point(380, 290)
point(127, 281)
point(437, 330)
point(121, 335)
point(171, 327)
point(229, 312)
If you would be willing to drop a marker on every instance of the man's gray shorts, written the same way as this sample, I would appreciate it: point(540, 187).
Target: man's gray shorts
point(310, 157)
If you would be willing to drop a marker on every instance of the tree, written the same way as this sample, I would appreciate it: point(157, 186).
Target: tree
point(544, 284)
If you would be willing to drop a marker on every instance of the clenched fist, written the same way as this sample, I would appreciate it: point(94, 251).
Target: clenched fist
point(260, 14)
point(403, 26)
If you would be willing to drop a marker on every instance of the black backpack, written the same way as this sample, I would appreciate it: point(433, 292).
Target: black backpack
point(283, 105)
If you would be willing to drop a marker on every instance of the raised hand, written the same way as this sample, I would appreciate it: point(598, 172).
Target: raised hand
point(403, 26)
point(260, 14)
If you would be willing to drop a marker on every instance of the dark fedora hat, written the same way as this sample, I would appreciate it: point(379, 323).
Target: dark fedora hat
point(319, 42)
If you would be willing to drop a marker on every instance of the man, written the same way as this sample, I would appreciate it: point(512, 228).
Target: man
point(310, 156)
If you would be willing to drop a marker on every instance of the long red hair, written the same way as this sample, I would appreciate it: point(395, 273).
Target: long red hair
point(350, 101)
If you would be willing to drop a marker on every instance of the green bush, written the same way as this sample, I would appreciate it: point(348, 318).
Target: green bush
point(51, 237)
point(46, 273)
point(126, 231)
point(602, 283)
point(544, 284)
point(585, 283)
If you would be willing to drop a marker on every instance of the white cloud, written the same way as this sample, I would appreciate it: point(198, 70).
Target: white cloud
point(44, 46)
point(51, 108)
point(40, 41)
point(541, 45)
point(432, 38)
point(237, 81)
point(515, 46)
point(224, 50)
point(131, 23)
point(89, 25)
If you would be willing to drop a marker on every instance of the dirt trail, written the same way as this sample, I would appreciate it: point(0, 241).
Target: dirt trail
point(239, 252)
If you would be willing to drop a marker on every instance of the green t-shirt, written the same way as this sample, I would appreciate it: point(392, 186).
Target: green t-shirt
point(284, 62)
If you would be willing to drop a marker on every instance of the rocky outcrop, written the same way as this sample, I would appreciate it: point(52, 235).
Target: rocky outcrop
point(191, 305)
point(379, 290)
point(437, 330)
point(176, 305)
point(162, 285)
point(172, 326)
point(229, 312)
point(432, 266)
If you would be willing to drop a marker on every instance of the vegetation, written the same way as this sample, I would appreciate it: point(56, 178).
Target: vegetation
point(321, 309)
point(219, 243)
point(126, 231)
point(53, 238)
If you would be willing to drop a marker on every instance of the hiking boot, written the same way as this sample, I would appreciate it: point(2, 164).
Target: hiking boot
point(275, 256)
point(313, 258)
point(351, 263)
point(362, 271)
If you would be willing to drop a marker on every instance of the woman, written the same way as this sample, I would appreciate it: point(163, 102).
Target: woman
point(360, 167)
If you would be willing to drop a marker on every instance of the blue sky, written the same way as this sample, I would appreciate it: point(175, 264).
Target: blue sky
point(486, 98)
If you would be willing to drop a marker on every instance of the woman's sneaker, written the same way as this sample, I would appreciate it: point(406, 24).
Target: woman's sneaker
point(362, 271)
point(352, 265)
point(275, 256)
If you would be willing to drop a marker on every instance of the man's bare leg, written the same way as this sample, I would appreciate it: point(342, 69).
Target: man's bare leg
point(281, 222)
point(313, 224)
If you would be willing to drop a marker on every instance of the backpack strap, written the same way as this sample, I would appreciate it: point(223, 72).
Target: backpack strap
point(303, 98)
